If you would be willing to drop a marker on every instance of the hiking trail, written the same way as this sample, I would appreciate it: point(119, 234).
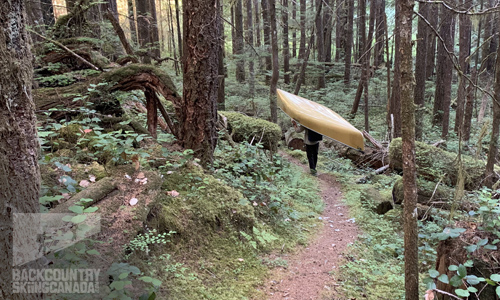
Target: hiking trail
point(307, 275)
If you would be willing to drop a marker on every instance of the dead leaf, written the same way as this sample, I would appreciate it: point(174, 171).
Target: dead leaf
point(135, 160)
point(173, 193)
point(87, 130)
point(241, 259)
point(133, 201)
point(92, 178)
point(84, 183)
point(429, 295)
point(140, 175)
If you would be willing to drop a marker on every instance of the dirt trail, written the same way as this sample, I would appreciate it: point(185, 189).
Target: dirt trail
point(307, 275)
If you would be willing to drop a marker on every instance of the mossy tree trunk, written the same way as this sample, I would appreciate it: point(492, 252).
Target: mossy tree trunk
point(491, 177)
point(276, 72)
point(198, 113)
point(408, 136)
point(19, 172)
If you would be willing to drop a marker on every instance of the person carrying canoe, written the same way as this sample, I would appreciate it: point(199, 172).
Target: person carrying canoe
point(311, 139)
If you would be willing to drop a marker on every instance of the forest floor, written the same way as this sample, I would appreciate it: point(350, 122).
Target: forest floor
point(307, 274)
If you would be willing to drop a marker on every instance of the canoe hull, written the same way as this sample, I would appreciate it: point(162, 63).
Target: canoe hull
point(321, 119)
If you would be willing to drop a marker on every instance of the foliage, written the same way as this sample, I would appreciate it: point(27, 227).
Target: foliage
point(142, 242)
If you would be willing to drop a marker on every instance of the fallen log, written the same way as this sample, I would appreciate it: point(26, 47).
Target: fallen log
point(294, 140)
point(431, 194)
point(434, 163)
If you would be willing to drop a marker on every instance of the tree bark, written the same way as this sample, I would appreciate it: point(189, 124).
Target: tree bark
point(201, 62)
point(48, 12)
point(221, 93)
point(444, 72)
point(433, 14)
point(19, 147)
point(464, 52)
point(302, 43)
point(320, 46)
point(378, 57)
point(275, 76)
point(394, 117)
point(179, 34)
point(238, 41)
point(267, 39)
point(490, 176)
point(249, 30)
point(286, 44)
point(408, 137)
point(348, 42)
point(361, 29)
point(327, 29)
point(340, 30)
point(469, 105)
point(420, 68)
point(294, 30)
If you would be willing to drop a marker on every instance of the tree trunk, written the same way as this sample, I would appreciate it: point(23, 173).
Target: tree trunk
point(433, 13)
point(320, 48)
point(221, 96)
point(238, 41)
point(147, 29)
point(275, 76)
point(267, 41)
point(201, 62)
point(408, 147)
point(179, 34)
point(327, 29)
point(380, 33)
point(171, 16)
point(361, 29)
point(301, 74)
point(490, 176)
point(464, 52)
point(394, 117)
point(294, 30)
point(250, 52)
point(340, 30)
point(48, 12)
point(469, 105)
point(19, 172)
point(286, 44)
point(444, 73)
point(35, 18)
point(420, 68)
point(302, 43)
point(348, 43)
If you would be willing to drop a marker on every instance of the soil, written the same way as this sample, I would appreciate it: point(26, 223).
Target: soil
point(308, 273)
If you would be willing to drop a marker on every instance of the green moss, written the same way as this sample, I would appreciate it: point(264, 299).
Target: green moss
point(94, 43)
point(434, 163)
point(246, 128)
point(118, 74)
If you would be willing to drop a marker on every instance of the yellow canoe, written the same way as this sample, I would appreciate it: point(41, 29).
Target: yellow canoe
point(321, 119)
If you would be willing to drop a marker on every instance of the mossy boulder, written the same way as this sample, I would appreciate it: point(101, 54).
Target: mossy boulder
point(205, 206)
point(373, 199)
point(244, 128)
point(434, 164)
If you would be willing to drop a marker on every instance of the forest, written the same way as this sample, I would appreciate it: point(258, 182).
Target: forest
point(144, 155)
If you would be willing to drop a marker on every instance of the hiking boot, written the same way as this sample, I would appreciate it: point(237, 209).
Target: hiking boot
point(314, 172)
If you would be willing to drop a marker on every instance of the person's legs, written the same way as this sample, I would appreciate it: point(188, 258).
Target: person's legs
point(314, 154)
point(310, 158)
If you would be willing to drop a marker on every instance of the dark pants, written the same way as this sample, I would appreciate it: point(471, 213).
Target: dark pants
point(312, 155)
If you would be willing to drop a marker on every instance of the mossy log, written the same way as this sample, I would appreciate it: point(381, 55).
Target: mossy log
point(253, 130)
point(430, 194)
point(96, 192)
point(436, 164)
point(294, 140)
